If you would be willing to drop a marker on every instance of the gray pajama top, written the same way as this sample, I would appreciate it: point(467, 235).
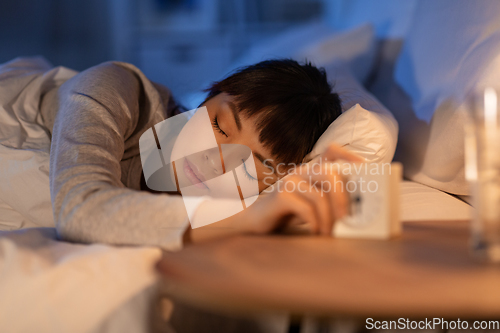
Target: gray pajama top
point(96, 119)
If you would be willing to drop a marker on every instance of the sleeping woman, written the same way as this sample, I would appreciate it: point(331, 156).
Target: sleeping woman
point(277, 108)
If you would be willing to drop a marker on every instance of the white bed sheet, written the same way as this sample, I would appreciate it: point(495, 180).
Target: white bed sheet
point(52, 286)
point(423, 203)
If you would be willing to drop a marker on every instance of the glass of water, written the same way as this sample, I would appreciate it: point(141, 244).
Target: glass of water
point(482, 154)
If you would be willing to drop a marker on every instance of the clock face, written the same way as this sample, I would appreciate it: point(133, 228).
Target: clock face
point(365, 203)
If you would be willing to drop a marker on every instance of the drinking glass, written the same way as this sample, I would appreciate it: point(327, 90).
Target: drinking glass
point(482, 153)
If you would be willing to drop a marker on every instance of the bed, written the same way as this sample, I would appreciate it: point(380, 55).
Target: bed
point(47, 285)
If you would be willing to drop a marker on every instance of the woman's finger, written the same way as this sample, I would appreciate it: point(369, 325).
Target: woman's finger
point(293, 204)
point(317, 199)
point(333, 188)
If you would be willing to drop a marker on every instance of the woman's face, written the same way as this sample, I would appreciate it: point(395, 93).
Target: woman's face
point(229, 127)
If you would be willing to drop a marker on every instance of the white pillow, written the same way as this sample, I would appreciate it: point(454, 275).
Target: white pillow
point(453, 48)
point(365, 127)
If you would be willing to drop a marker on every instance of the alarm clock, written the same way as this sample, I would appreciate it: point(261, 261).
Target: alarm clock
point(373, 189)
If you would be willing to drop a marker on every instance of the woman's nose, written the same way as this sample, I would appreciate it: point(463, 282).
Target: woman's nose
point(213, 160)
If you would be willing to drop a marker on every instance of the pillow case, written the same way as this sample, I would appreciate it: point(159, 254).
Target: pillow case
point(365, 126)
point(452, 49)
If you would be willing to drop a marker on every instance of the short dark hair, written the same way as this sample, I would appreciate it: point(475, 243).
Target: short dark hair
point(294, 104)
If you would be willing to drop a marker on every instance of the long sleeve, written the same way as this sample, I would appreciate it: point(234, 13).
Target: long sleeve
point(101, 114)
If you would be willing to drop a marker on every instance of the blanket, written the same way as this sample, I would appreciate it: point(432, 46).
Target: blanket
point(52, 286)
point(25, 142)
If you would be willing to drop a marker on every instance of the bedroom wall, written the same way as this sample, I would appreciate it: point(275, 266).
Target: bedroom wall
point(180, 43)
point(73, 33)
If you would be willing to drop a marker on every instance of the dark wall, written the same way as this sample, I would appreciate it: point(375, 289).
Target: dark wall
point(72, 33)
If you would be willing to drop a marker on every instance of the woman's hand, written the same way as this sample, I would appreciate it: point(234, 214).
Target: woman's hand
point(314, 198)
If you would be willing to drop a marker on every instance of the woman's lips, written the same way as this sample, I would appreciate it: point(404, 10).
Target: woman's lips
point(194, 178)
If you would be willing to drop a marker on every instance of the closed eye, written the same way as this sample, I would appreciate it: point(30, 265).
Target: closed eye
point(247, 174)
point(215, 125)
